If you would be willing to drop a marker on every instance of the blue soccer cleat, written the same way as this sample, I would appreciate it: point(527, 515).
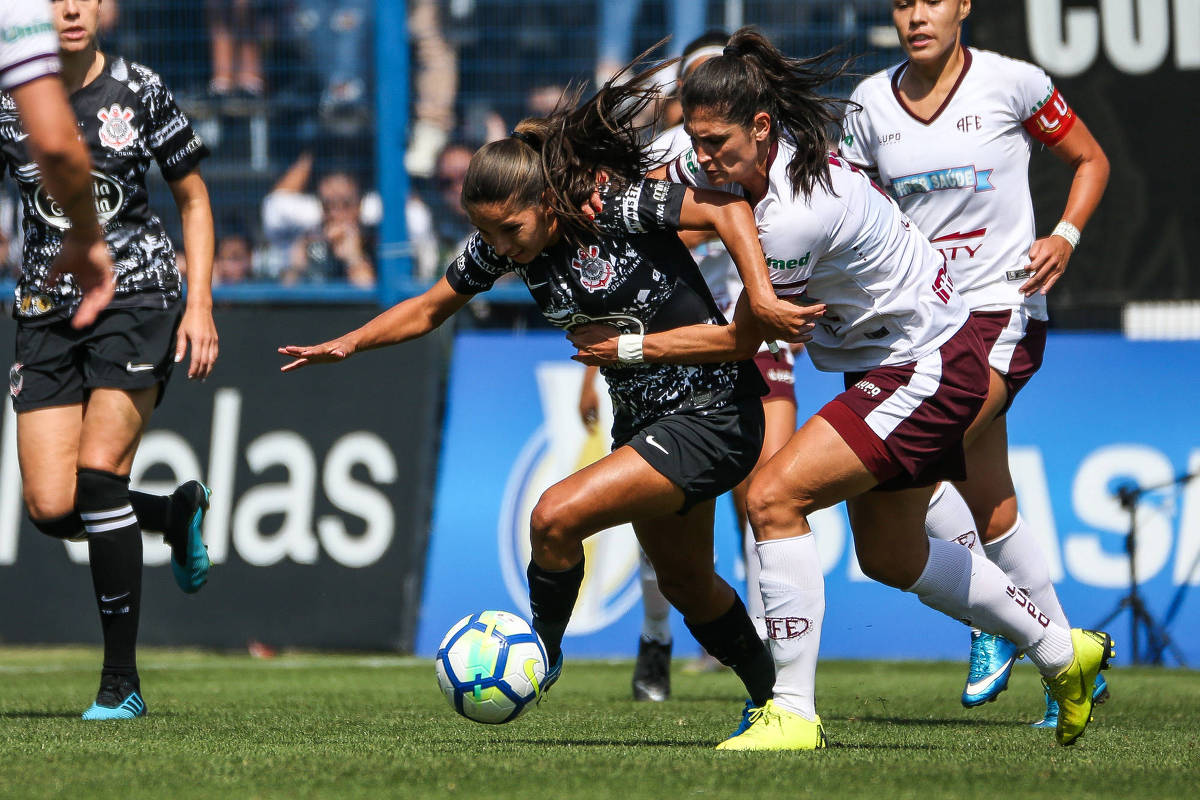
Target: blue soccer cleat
point(190, 567)
point(745, 722)
point(1050, 719)
point(992, 659)
point(119, 698)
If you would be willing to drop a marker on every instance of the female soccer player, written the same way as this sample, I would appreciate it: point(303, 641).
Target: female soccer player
point(682, 434)
point(83, 396)
point(948, 133)
point(651, 675)
point(916, 377)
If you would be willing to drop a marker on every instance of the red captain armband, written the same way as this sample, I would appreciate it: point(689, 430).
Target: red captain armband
point(1051, 123)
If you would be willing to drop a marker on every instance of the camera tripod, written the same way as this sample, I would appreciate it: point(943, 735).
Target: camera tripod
point(1157, 638)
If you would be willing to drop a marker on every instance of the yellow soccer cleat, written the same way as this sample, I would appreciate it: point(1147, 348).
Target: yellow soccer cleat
point(1072, 687)
point(774, 728)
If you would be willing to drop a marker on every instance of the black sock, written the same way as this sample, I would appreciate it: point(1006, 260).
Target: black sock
point(153, 511)
point(552, 597)
point(732, 640)
point(115, 554)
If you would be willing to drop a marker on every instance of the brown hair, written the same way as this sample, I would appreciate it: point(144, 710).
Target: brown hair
point(558, 158)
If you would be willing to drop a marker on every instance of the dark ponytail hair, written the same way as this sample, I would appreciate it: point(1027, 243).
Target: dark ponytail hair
point(558, 158)
point(753, 76)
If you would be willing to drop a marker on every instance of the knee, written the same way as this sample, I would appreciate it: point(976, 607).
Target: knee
point(102, 497)
point(551, 528)
point(898, 570)
point(771, 503)
point(44, 506)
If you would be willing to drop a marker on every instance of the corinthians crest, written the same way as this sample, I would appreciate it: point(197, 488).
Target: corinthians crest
point(116, 130)
point(594, 272)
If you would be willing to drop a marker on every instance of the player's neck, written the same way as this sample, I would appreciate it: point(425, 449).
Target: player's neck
point(921, 79)
point(80, 69)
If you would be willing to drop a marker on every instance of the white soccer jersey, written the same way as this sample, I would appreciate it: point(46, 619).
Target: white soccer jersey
point(963, 174)
point(28, 43)
point(888, 296)
point(714, 261)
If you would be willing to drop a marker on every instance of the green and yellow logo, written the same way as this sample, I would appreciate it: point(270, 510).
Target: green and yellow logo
point(18, 32)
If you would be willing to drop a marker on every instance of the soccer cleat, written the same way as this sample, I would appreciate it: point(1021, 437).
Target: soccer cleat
point(1050, 719)
point(652, 672)
point(744, 724)
point(119, 698)
point(1073, 688)
point(774, 728)
point(992, 659)
point(190, 567)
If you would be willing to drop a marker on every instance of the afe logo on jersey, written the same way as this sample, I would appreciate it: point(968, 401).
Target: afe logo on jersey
point(595, 273)
point(107, 195)
point(787, 627)
point(943, 287)
point(116, 130)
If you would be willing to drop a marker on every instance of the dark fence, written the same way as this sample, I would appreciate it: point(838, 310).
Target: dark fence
point(322, 482)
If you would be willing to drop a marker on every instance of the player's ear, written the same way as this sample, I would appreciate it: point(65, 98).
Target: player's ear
point(760, 127)
point(964, 10)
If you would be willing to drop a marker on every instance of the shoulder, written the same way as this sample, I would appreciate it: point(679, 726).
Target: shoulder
point(147, 84)
point(877, 86)
point(669, 144)
point(997, 65)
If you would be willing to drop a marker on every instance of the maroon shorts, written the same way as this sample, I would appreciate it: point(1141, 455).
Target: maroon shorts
point(1015, 343)
point(906, 421)
point(777, 370)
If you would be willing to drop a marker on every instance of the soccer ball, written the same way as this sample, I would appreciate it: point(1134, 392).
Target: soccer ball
point(491, 666)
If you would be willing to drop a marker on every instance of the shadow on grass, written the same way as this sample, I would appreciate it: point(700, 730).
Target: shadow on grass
point(39, 715)
point(954, 723)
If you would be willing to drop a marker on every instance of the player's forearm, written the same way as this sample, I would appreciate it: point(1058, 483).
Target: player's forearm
point(700, 344)
point(735, 224)
point(1081, 150)
point(198, 242)
point(409, 319)
point(60, 154)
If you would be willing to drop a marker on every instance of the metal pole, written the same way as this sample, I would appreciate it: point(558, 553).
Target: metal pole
point(391, 139)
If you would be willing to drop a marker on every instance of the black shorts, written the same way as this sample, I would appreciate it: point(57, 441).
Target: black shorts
point(126, 348)
point(703, 453)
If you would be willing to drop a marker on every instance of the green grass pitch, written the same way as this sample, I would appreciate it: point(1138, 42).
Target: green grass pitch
point(301, 726)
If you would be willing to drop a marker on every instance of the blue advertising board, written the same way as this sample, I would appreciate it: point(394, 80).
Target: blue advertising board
point(1103, 413)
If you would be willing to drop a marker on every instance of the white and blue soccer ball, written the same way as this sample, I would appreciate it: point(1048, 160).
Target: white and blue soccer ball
point(491, 666)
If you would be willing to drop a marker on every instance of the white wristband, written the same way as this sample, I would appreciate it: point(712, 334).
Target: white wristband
point(1065, 230)
point(629, 348)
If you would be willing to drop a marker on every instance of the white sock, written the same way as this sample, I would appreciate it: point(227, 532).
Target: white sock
point(754, 600)
point(793, 593)
point(975, 591)
point(1021, 557)
point(950, 520)
point(656, 611)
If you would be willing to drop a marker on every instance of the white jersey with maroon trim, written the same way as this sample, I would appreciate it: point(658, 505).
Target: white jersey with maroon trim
point(28, 43)
point(963, 174)
point(714, 260)
point(889, 299)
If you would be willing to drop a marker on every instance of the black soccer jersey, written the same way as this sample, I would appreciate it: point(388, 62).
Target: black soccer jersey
point(127, 117)
point(637, 276)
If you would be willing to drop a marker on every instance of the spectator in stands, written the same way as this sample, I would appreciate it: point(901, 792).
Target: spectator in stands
point(685, 21)
point(450, 220)
point(234, 261)
point(321, 238)
point(339, 49)
point(436, 71)
point(236, 61)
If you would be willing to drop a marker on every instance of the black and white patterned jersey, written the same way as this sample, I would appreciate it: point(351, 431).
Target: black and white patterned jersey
point(128, 118)
point(637, 276)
